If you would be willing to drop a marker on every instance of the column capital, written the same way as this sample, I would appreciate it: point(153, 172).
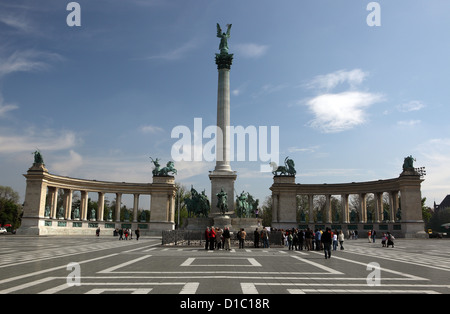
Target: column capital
point(224, 60)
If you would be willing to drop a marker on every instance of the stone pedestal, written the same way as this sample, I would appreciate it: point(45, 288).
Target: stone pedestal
point(222, 221)
point(163, 204)
point(284, 202)
point(222, 180)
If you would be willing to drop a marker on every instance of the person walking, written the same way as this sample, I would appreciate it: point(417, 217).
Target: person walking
point(137, 232)
point(120, 234)
point(326, 241)
point(341, 239)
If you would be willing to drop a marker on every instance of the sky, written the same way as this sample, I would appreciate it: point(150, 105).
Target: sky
point(350, 100)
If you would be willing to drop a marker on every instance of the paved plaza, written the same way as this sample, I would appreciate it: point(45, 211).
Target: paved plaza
point(104, 265)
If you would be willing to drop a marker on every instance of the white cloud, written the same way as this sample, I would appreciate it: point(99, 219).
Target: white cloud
point(409, 122)
point(151, 129)
point(4, 108)
point(27, 61)
point(250, 50)
point(339, 112)
point(176, 53)
point(68, 165)
point(411, 106)
point(329, 81)
point(45, 140)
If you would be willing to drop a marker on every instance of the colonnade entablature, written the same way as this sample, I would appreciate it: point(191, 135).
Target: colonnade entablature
point(41, 214)
point(405, 206)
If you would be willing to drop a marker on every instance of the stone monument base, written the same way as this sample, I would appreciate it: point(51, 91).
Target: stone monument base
point(222, 221)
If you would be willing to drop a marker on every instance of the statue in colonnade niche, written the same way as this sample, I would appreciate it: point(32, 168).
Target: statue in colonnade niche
point(93, 212)
point(76, 213)
point(47, 211)
point(60, 214)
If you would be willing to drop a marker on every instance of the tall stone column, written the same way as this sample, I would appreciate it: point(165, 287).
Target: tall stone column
point(117, 209)
point(223, 177)
point(84, 205)
point(345, 211)
point(135, 207)
point(311, 208)
point(68, 204)
point(100, 205)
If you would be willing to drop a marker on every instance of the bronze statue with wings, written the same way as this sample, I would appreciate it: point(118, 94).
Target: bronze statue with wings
point(223, 47)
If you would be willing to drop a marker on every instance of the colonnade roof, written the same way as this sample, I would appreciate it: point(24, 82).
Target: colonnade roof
point(379, 186)
point(77, 184)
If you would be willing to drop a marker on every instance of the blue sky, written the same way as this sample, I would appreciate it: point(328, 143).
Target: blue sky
point(351, 101)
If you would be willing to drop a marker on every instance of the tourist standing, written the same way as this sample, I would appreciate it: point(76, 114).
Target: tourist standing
point(219, 233)
point(374, 233)
point(301, 238)
point(326, 241)
point(256, 238)
point(369, 236)
point(265, 237)
point(242, 236)
point(335, 241)
point(212, 238)
point(226, 238)
point(97, 232)
point(206, 238)
point(120, 234)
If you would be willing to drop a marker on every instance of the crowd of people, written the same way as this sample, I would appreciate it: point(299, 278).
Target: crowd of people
point(318, 240)
point(217, 238)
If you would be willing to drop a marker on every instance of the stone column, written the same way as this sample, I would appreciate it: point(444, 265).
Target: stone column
point(54, 202)
point(393, 200)
point(84, 205)
point(101, 205)
point(118, 202)
point(311, 208)
point(328, 213)
point(135, 207)
point(67, 204)
point(345, 211)
point(362, 208)
point(223, 177)
point(378, 206)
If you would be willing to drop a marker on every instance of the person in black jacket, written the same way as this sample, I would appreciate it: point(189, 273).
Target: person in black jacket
point(326, 241)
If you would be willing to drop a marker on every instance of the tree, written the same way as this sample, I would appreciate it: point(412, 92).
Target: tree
point(10, 209)
point(266, 212)
point(426, 211)
point(180, 206)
